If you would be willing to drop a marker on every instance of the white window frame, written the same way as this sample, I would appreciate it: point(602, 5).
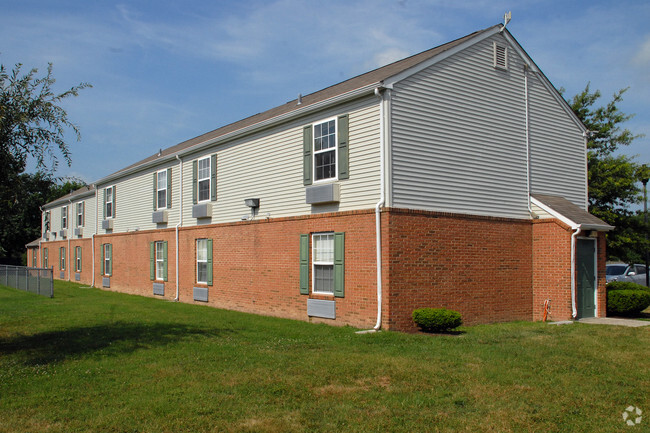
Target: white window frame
point(45, 258)
point(64, 217)
point(159, 251)
point(34, 261)
point(108, 259)
point(163, 189)
point(202, 260)
point(318, 262)
point(62, 254)
point(200, 179)
point(77, 265)
point(80, 214)
point(111, 201)
point(317, 152)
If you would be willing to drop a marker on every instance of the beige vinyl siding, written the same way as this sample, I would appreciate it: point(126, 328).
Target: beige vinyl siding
point(134, 201)
point(458, 136)
point(89, 216)
point(268, 166)
point(558, 153)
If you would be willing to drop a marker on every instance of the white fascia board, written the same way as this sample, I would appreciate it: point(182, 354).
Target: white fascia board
point(554, 213)
point(66, 200)
point(391, 81)
point(303, 111)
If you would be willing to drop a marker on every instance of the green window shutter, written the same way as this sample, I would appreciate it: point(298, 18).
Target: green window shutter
point(343, 125)
point(304, 264)
point(61, 218)
point(83, 213)
point(114, 207)
point(209, 262)
point(155, 191)
point(75, 258)
point(152, 260)
point(339, 265)
point(103, 263)
point(213, 177)
point(104, 207)
point(306, 155)
point(165, 261)
point(169, 188)
point(195, 179)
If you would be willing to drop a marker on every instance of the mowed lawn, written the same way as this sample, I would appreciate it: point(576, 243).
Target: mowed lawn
point(96, 361)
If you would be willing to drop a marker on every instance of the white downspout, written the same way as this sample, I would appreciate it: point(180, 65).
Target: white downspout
point(180, 223)
point(380, 203)
point(530, 210)
point(67, 253)
point(40, 240)
point(95, 234)
point(574, 310)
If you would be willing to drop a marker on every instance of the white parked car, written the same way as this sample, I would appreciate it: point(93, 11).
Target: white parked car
point(622, 272)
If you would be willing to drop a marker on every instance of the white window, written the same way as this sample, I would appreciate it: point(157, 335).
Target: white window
point(202, 261)
point(203, 179)
point(45, 257)
point(64, 217)
point(162, 189)
point(108, 259)
point(109, 201)
point(80, 214)
point(33, 258)
point(62, 258)
point(46, 221)
point(77, 259)
point(323, 263)
point(325, 152)
point(160, 260)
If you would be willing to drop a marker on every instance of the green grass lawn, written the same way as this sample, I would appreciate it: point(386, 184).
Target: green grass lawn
point(95, 361)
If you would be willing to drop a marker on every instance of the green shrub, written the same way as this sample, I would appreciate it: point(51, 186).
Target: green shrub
point(627, 302)
point(625, 285)
point(437, 319)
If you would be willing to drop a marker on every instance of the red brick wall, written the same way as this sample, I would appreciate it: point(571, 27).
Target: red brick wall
point(551, 269)
point(255, 265)
point(54, 250)
point(479, 266)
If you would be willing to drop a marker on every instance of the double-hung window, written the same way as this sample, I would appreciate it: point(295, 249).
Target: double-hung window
point(34, 258)
point(107, 259)
point(45, 258)
point(62, 258)
point(80, 214)
point(204, 261)
point(46, 221)
point(158, 260)
point(109, 204)
point(323, 263)
point(203, 179)
point(64, 217)
point(77, 259)
point(162, 189)
point(325, 150)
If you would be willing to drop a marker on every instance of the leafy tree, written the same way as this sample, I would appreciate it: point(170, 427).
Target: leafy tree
point(32, 125)
point(31, 121)
point(613, 178)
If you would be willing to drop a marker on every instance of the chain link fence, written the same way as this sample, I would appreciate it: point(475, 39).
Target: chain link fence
point(34, 280)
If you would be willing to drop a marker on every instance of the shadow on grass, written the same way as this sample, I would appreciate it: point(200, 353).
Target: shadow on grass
point(108, 339)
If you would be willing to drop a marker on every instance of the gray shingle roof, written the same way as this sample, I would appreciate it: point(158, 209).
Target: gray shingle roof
point(572, 212)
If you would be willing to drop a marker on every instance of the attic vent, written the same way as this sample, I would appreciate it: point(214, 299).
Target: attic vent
point(500, 56)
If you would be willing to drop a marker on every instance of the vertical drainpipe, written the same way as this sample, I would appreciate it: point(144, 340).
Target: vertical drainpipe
point(380, 203)
point(574, 310)
point(527, 126)
point(40, 240)
point(95, 233)
point(67, 253)
point(180, 223)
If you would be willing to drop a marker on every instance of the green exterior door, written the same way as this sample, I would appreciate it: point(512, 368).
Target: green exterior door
point(586, 277)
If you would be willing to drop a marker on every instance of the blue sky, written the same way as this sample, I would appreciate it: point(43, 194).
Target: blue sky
point(164, 72)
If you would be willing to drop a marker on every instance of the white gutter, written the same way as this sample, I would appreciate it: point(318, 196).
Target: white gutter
point(574, 310)
point(380, 203)
point(180, 223)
